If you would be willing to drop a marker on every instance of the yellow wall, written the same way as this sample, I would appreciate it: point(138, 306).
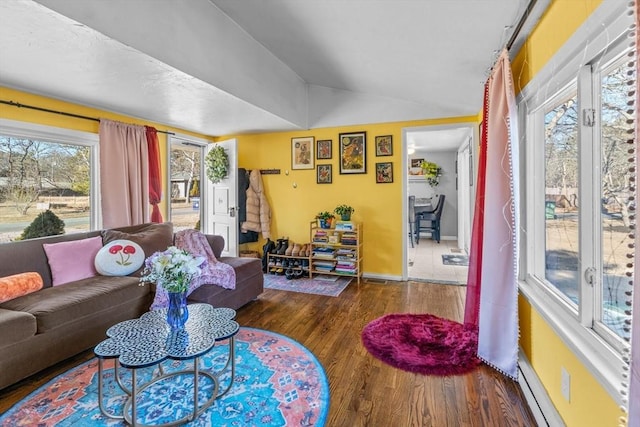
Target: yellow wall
point(295, 199)
point(590, 404)
point(559, 22)
point(57, 120)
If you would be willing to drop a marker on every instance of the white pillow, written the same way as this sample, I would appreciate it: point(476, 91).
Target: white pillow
point(119, 258)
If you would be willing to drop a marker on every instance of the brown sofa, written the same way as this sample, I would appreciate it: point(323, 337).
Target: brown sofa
point(45, 327)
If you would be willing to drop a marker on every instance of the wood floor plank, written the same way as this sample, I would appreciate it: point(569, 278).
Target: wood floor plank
point(365, 391)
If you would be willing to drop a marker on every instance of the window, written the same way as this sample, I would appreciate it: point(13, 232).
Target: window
point(579, 215)
point(586, 219)
point(186, 166)
point(561, 211)
point(46, 168)
point(616, 194)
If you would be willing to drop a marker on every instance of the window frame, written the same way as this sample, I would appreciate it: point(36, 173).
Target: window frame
point(52, 134)
point(603, 32)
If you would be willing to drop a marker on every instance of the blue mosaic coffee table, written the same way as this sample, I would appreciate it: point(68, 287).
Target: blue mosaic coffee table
point(148, 341)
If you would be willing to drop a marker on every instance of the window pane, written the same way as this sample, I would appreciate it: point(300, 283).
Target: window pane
point(616, 197)
point(561, 193)
point(36, 176)
point(185, 187)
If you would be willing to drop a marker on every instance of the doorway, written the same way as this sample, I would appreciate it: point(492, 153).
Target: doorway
point(450, 149)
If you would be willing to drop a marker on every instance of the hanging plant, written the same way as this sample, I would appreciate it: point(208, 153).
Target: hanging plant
point(432, 172)
point(217, 163)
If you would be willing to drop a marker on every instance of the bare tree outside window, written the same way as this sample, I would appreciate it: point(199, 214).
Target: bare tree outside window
point(37, 175)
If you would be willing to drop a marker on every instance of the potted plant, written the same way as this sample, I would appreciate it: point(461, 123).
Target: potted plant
point(344, 211)
point(324, 219)
point(432, 172)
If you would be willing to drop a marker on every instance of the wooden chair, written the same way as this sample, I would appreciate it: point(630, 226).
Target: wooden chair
point(430, 221)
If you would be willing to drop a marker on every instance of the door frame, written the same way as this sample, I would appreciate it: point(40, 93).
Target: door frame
point(469, 172)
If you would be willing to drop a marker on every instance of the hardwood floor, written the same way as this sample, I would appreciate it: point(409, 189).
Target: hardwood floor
point(365, 391)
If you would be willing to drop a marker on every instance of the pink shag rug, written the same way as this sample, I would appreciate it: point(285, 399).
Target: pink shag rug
point(422, 343)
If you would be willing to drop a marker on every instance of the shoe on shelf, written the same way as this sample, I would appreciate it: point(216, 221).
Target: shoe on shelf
point(290, 274)
point(296, 249)
point(308, 250)
point(283, 247)
point(298, 274)
point(303, 250)
point(289, 249)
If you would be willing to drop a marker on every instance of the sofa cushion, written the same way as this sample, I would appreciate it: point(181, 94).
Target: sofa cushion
point(119, 258)
point(16, 326)
point(151, 237)
point(73, 260)
point(56, 306)
point(18, 285)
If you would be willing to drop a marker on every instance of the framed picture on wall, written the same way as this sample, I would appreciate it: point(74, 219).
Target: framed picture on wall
point(384, 172)
point(384, 145)
point(324, 174)
point(302, 153)
point(323, 149)
point(353, 152)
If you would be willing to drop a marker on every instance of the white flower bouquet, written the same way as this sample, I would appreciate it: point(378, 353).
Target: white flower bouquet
point(173, 269)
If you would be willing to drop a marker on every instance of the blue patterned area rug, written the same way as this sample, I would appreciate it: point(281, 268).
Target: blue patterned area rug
point(278, 382)
point(326, 285)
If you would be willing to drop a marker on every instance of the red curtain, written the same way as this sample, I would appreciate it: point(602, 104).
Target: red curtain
point(472, 304)
point(155, 179)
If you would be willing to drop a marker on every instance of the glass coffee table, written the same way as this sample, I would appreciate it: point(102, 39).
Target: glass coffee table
point(148, 340)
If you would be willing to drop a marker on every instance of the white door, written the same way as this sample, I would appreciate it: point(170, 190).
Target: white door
point(464, 204)
point(221, 204)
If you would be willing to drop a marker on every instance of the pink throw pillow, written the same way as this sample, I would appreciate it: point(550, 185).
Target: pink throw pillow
point(73, 260)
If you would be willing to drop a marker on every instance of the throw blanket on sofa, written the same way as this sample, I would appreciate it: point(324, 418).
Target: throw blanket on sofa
point(213, 272)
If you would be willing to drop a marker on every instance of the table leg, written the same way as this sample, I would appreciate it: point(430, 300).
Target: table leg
point(232, 359)
point(103, 410)
point(134, 415)
point(196, 368)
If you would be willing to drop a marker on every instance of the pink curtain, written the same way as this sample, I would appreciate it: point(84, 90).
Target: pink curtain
point(634, 372)
point(493, 273)
point(124, 174)
point(155, 177)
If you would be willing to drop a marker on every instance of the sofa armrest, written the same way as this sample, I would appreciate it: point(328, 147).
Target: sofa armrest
point(217, 244)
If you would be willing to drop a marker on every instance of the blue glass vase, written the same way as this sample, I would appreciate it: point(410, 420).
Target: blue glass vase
point(177, 313)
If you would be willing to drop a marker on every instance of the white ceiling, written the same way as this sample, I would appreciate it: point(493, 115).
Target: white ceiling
point(219, 67)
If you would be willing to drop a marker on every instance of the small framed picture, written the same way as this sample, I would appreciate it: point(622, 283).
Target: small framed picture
point(323, 149)
point(302, 153)
point(353, 152)
point(384, 145)
point(384, 172)
point(323, 174)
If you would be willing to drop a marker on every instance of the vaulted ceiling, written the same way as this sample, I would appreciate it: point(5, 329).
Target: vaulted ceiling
point(221, 67)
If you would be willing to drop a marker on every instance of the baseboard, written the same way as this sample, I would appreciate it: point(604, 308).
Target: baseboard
point(537, 398)
point(382, 277)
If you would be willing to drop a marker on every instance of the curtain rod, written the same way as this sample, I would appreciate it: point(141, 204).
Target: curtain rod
point(62, 113)
point(521, 22)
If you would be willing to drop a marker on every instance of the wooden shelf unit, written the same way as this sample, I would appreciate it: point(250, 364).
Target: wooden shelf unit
point(339, 256)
